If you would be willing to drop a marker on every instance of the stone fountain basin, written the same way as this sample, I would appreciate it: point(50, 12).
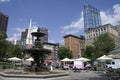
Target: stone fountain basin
point(21, 75)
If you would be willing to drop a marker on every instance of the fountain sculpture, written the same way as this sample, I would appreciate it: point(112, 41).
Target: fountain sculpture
point(38, 53)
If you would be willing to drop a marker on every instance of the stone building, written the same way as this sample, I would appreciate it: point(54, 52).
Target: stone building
point(92, 33)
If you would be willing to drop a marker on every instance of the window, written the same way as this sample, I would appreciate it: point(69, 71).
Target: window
point(104, 28)
point(96, 30)
point(101, 29)
point(108, 62)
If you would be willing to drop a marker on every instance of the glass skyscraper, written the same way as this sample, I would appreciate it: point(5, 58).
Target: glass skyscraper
point(92, 17)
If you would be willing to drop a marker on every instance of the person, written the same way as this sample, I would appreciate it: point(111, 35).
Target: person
point(88, 66)
point(71, 66)
point(57, 65)
point(95, 64)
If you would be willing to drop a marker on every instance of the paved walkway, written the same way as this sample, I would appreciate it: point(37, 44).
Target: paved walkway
point(89, 75)
point(83, 75)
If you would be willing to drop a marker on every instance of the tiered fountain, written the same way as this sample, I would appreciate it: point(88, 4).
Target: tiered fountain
point(38, 53)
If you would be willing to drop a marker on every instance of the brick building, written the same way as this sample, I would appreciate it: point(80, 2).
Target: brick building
point(75, 44)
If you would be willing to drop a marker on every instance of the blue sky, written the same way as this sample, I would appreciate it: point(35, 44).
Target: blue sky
point(61, 17)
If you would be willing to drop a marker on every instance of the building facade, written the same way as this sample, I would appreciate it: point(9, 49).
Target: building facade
point(92, 17)
point(53, 56)
point(23, 38)
point(54, 49)
point(45, 38)
point(3, 22)
point(75, 44)
point(118, 29)
point(93, 33)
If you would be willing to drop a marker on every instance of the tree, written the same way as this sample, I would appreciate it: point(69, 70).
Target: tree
point(14, 50)
point(104, 44)
point(64, 52)
point(3, 36)
point(89, 52)
point(3, 45)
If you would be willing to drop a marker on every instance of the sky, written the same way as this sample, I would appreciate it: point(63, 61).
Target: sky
point(61, 17)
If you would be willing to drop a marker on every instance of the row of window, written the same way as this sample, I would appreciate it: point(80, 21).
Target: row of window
point(96, 32)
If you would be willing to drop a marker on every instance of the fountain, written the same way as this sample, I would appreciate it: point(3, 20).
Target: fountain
point(38, 53)
point(37, 70)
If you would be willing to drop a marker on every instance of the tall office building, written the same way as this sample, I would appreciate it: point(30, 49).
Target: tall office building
point(3, 22)
point(92, 17)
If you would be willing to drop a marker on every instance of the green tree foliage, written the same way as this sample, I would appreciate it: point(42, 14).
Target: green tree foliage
point(104, 44)
point(3, 36)
point(14, 51)
point(89, 52)
point(3, 45)
point(7, 49)
point(64, 52)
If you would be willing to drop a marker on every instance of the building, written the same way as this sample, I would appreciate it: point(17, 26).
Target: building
point(3, 22)
point(23, 38)
point(18, 42)
point(82, 43)
point(45, 38)
point(118, 29)
point(75, 44)
point(92, 17)
point(92, 33)
point(53, 56)
point(54, 49)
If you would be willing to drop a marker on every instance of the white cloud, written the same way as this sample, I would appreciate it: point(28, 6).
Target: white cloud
point(74, 27)
point(113, 18)
point(4, 0)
